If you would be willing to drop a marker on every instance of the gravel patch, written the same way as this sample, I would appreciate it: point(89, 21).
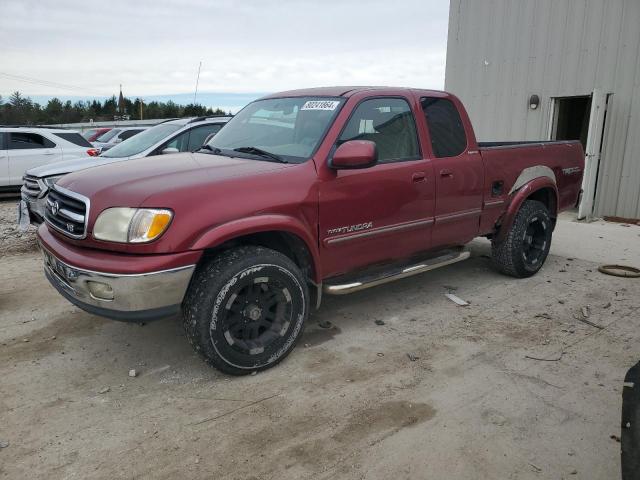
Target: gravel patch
point(12, 240)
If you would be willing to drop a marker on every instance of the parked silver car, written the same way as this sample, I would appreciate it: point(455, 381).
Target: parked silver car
point(172, 136)
point(115, 136)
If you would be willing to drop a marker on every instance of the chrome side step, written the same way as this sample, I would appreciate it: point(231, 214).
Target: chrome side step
point(349, 283)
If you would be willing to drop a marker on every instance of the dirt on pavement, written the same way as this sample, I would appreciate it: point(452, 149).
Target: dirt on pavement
point(432, 390)
point(13, 240)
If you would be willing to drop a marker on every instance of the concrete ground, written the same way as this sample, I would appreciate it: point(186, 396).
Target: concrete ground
point(513, 386)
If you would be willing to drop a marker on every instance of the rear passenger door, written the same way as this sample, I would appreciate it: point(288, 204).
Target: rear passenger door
point(4, 161)
point(459, 174)
point(27, 150)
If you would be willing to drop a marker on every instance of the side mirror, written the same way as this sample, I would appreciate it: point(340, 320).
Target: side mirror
point(354, 154)
point(170, 150)
point(117, 140)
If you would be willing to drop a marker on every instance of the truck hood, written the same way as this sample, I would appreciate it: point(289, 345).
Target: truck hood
point(68, 166)
point(130, 183)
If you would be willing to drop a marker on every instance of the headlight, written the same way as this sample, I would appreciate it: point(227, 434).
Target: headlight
point(49, 181)
point(131, 225)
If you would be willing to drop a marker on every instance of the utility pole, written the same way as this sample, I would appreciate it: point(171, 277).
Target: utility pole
point(141, 102)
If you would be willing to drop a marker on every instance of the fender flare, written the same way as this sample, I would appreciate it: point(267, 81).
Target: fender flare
point(260, 224)
point(518, 198)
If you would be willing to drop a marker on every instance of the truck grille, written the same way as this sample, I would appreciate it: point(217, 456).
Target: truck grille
point(67, 212)
point(30, 187)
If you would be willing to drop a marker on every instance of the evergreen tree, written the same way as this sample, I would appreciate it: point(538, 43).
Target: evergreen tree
point(20, 110)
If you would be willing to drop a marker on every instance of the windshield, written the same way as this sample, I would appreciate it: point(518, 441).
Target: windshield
point(291, 128)
point(105, 137)
point(142, 141)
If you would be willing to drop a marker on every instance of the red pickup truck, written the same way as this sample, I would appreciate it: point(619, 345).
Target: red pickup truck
point(306, 192)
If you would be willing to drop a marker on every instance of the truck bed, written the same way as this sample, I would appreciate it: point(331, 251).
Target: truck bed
point(506, 161)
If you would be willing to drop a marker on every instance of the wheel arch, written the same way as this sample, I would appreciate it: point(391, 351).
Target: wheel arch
point(542, 189)
point(277, 232)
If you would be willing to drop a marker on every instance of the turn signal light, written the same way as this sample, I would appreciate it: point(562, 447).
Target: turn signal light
point(93, 152)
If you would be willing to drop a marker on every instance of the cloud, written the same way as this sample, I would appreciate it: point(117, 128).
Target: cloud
point(154, 47)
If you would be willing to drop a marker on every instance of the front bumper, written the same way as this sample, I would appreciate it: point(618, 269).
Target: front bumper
point(136, 297)
point(35, 206)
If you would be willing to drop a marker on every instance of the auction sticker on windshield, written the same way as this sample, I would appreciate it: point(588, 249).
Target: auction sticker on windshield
point(320, 105)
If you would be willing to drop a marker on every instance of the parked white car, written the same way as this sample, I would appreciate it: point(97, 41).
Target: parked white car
point(172, 136)
point(23, 148)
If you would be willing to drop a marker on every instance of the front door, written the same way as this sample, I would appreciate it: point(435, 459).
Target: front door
point(384, 212)
point(459, 175)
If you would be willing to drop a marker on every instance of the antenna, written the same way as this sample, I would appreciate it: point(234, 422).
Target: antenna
point(195, 94)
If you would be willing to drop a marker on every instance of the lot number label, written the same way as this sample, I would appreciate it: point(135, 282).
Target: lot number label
point(320, 105)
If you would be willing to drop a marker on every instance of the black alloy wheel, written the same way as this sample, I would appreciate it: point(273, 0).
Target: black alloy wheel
point(246, 309)
point(257, 314)
point(534, 243)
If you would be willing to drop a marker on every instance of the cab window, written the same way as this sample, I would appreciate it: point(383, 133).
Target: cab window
point(389, 123)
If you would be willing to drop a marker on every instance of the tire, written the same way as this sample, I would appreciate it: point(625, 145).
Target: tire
point(524, 249)
point(245, 309)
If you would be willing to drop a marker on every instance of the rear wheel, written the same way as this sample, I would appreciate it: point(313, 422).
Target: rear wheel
point(246, 309)
point(526, 245)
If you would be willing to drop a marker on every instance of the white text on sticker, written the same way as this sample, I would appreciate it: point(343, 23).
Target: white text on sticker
point(320, 105)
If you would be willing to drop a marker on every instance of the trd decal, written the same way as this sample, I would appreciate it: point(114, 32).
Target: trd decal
point(569, 171)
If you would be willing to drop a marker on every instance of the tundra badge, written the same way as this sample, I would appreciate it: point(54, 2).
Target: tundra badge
point(350, 228)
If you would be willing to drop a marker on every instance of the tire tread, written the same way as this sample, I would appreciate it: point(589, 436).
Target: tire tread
point(504, 253)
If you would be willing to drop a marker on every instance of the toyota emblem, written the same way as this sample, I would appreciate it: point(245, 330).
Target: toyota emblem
point(55, 207)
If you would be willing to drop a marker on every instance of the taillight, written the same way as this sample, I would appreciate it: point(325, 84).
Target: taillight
point(93, 152)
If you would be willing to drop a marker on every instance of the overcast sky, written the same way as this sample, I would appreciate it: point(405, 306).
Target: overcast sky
point(153, 47)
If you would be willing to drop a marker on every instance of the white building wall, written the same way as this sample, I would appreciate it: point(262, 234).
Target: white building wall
point(500, 52)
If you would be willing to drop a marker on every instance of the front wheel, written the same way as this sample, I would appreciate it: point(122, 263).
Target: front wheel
point(525, 247)
point(246, 309)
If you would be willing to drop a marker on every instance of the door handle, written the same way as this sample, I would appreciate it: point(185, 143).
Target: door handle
point(445, 172)
point(418, 177)
point(49, 152)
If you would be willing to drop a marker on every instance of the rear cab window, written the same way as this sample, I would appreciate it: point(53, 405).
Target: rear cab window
point(448, 138)
point(389, 123)
point(24, 140)
point(74, 138)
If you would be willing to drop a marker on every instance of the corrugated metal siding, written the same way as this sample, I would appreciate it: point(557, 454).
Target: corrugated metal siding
point(500, 52)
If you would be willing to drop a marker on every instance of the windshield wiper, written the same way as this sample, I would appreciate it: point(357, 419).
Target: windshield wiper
point(260, 153)
point(214, 150)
